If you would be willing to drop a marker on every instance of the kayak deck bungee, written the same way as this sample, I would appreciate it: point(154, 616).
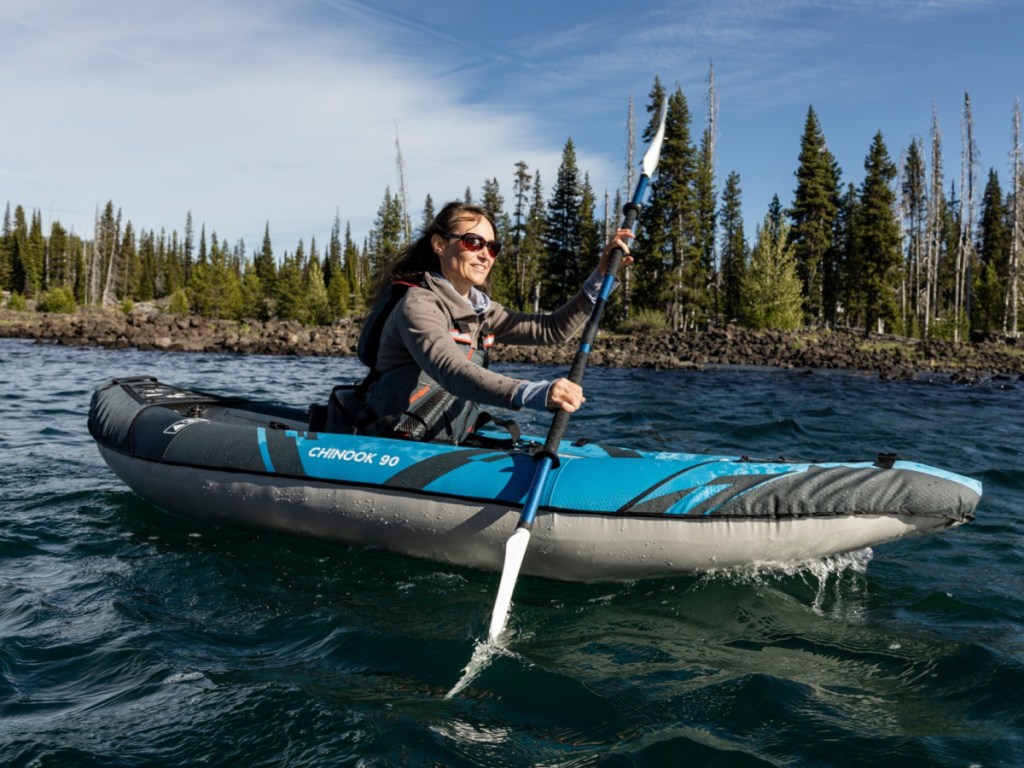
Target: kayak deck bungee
point(605, 513)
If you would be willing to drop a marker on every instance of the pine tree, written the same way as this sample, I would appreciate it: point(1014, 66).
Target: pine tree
point(812, 215)
point(878, 238)
point(107, 247)
point(58, 266)
point(993, 248)
point(706, 213)
point(35, 258)
point(848, 301)
point(591, 231)
point(188, 247)
point(229, 264)
point(79, 286)
point(914, 206)
point(502, 276)
point(215, 287)
point(429, 213)
point(356, 273)
point(562, 241)
point(672, 275)
point(26, 277)
point(289, 292)
point(6, 251)
point(771, 289)
point(648, 290)
point(948, 322)
point(317, 310)
point(266, 270)
point(334, 275)
point(618, 307)
point(171, 268)
point(532, 249)
point(521, 185)
point(775, 215)
point(733, 250)
point(386, 239)
point(147, 266)
point(203, 257)
point(130, 264)
point(251, 292)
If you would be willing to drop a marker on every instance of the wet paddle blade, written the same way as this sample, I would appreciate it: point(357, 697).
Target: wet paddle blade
point(653, 154)
point(515, 550)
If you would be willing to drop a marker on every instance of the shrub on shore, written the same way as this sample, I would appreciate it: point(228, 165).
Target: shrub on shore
point(60, 300)
point(16, 302)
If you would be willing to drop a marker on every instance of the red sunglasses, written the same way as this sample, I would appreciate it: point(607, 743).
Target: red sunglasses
point(474, 243)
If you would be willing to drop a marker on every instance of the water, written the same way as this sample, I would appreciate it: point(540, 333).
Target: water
point(131, 638)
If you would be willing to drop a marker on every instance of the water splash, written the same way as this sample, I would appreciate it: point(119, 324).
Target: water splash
point(484, 652)
point(816, 574)
point(821, 569)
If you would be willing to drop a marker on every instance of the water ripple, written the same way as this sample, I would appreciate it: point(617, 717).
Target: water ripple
point(128, 637)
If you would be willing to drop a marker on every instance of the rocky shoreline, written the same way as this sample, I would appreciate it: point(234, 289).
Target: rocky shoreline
point(891, 358)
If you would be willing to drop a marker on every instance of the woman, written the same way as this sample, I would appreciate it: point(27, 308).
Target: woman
point(436, 325)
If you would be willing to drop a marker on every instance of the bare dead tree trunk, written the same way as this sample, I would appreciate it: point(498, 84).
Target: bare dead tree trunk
point(113, 252)
point(400, 164)
point(627, 195)
point(965, 247)
point(905, 212)
point(934, 225)
point(1012, 293)
point(607, 217)
point(712, 144)
point(93, 283)
point(630, 149)
point(712, 109)
point(921, 255)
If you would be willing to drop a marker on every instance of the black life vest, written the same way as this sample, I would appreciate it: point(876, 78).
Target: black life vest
point(368, 347)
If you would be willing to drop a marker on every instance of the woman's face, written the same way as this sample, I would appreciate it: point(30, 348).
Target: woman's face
point(465, 268)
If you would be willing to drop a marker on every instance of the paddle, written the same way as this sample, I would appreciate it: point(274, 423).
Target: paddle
point(547, 457)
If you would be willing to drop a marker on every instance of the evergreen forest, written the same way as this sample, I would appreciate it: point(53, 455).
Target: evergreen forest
point(912, 249)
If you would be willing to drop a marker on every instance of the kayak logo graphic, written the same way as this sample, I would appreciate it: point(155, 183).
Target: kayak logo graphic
point(177, 426)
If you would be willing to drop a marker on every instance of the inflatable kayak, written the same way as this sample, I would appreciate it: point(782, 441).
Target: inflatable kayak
point(606, 514)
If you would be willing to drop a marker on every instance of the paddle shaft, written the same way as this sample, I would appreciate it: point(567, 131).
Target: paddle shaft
point(579, 363)
point(547, 457)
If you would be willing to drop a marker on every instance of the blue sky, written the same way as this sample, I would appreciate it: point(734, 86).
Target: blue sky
point(248, 111)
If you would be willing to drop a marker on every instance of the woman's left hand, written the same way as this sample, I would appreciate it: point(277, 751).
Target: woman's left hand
point(565, 395)
point(618, 241)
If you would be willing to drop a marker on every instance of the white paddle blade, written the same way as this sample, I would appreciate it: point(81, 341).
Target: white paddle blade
point(515, 549)
point(651, 157)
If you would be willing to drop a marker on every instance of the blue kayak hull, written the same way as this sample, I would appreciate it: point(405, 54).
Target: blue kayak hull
point(606, 513)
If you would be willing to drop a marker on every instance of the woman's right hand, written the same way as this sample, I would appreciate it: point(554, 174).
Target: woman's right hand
point(619, 240)
point(564, 395)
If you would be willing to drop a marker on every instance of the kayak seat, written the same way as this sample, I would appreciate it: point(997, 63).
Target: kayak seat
point(341, 414)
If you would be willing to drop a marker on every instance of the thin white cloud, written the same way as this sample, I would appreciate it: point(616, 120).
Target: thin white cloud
point(236, 113)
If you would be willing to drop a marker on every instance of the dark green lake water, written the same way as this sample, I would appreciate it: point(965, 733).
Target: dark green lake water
point(131, 638)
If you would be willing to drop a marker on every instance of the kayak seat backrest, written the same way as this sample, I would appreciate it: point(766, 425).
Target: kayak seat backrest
point(340, 415)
